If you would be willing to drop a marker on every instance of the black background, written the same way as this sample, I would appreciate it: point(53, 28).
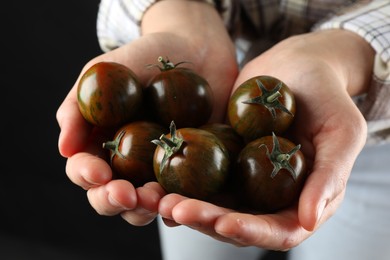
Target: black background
point(44, 45)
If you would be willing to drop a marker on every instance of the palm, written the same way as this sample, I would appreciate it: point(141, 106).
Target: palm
point(331, 131)
point(81, 144)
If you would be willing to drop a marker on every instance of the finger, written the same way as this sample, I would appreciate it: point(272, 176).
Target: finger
point(170, 223)
point(200, 216)
point(167, 204)
point(149, 197)
point(337, 147)
point(113, 198)
point(74, 129)
point(139, 216)
point(197, 214)
point(274, 232)
point(87, 170)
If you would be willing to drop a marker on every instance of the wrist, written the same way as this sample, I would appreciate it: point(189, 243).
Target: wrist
point(348, 54)
point(182, 17)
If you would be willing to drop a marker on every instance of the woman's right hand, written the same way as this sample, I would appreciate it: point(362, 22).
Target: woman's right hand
point(181, 30)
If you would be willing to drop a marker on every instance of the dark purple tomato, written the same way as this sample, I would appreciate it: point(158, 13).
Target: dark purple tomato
point(270, 173)
point(109, 95)
point(259, 106)
point(191, 162)
point(180, 95)
point(232, 141)
point(234, 144)
point(132, 151)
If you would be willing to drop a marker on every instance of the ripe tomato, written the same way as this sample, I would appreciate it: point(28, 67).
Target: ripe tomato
point(230, 139)
point(259, 106)
point(234, 144)
point(180, 95)
point(131, 151)
point(271, 172)
point(109, 94)
point(191, 162)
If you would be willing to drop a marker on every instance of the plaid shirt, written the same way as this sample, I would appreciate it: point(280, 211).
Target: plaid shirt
point(273, 20)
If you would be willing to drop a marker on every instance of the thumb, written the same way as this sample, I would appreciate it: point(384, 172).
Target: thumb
point(336, 149)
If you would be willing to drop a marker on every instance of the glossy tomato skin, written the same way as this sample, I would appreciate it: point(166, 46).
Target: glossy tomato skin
point(231, 140)
point(234, 144)
point(258, 189)
point(181, 95)
point(131, 151)
point(251, 120)
point(198, 169)
point(109, 95)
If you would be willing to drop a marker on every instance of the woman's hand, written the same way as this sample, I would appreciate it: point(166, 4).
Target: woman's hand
point(181, 30)
point(323, 70)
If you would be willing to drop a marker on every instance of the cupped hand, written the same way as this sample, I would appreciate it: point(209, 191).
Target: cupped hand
point(327, 124)
point(167, 32)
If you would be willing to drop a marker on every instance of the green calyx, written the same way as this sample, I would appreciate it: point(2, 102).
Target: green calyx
point(281, 160)
point(269, 99)
point(170, 145)
point(166, 64)
point(113, 145)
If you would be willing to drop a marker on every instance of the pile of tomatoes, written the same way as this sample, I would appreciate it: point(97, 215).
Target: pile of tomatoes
point(161, 133)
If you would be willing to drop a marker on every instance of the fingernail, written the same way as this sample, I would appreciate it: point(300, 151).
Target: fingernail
point(230, 233)
point(115, 203)
point(143, 211)
point(320, 209)
point(90, 183)
point(99, 180)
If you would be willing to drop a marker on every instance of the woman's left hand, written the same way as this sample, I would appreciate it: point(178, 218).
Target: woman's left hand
point(328, 125)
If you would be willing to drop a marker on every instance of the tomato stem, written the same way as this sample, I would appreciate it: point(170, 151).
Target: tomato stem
point(111, 145)
point(167, 65)
point(283, 157)
point(269, 99)
point(274, 97)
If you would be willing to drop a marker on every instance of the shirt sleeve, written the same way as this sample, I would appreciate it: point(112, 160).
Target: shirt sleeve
point(119, 21)
point(372, 22)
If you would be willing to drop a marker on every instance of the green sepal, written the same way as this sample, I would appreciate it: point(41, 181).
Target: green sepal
point(114, 145)
point(269, 99)
point(166, 64)
point(281, 160)
point(170, 145)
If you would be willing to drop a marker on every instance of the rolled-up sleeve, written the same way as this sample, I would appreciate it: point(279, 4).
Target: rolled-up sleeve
point(372, 22)
point(119, 21)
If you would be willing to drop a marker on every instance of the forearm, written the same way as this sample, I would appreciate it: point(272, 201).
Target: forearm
point(348, 54)
point(370, 21)
point(196, 21)
point(345, 54)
